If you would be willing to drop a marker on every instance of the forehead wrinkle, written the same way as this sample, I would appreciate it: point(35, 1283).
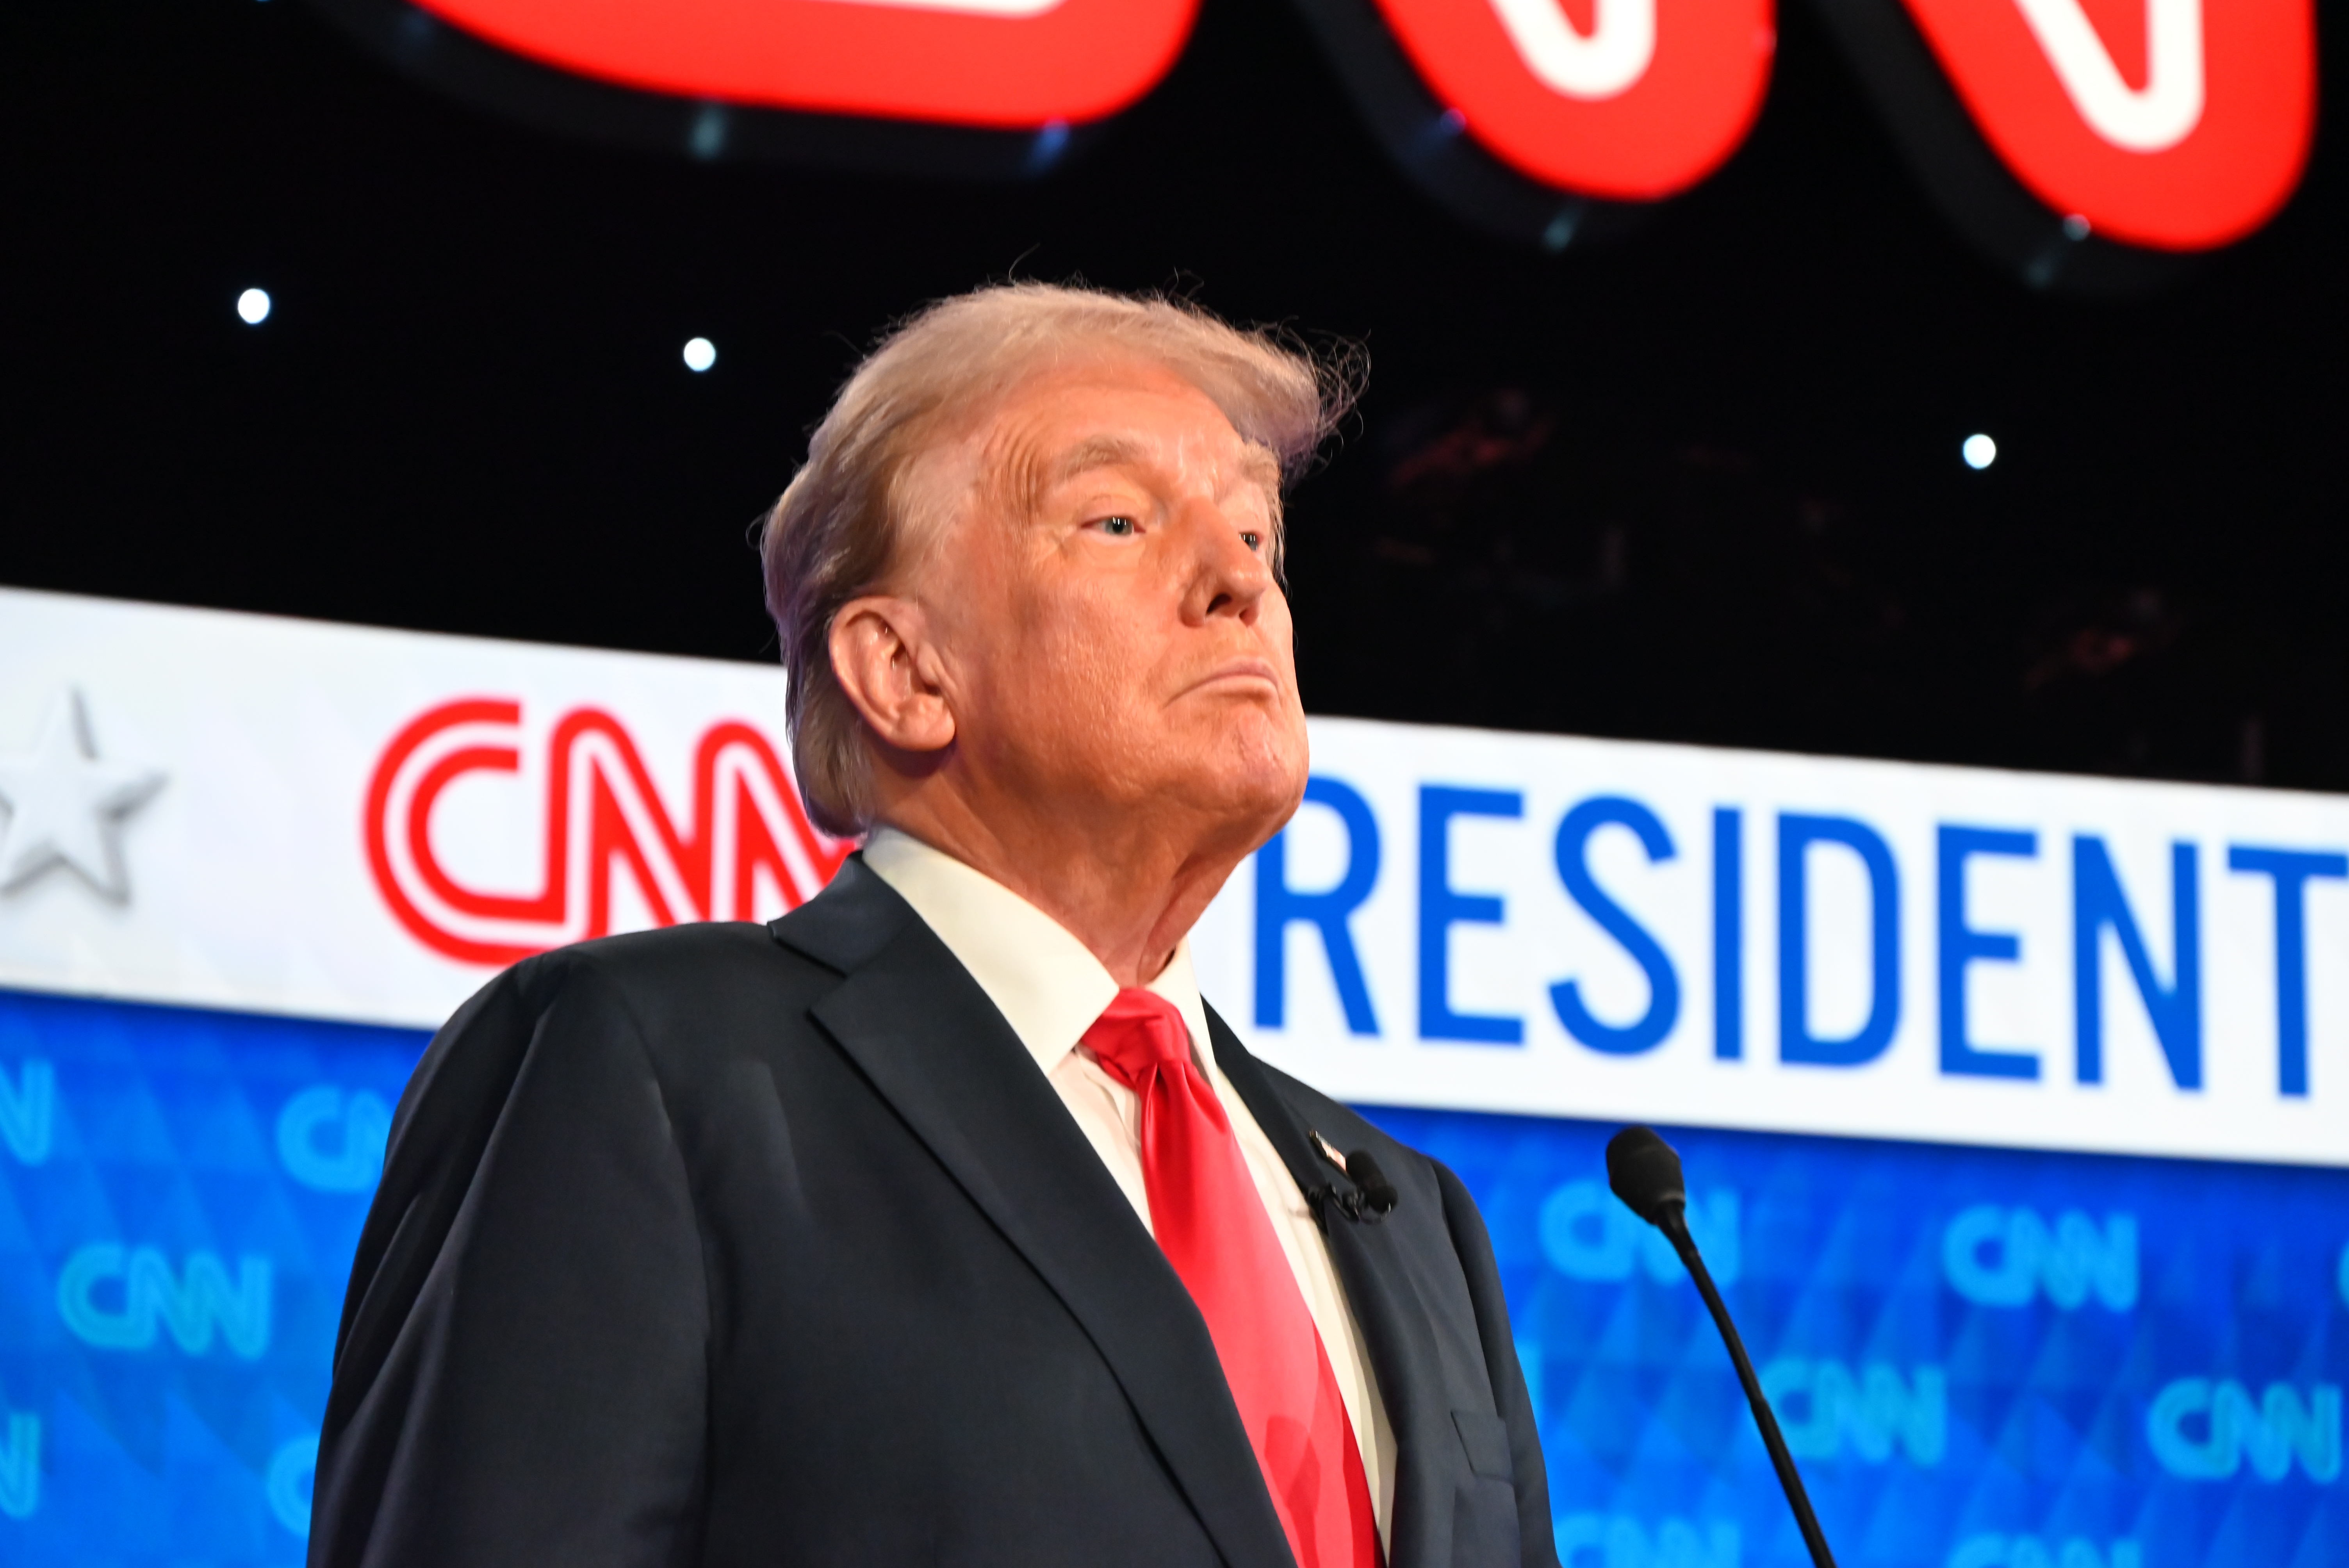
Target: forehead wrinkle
point(1011, 469)
point(1257, 465)
point(1019, 469)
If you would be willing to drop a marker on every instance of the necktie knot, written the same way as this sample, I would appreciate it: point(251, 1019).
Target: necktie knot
point(1138, 1031)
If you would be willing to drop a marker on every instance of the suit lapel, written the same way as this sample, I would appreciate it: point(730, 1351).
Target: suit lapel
point(932, 1044)
point(1361, 1249)
point(1271, 1112)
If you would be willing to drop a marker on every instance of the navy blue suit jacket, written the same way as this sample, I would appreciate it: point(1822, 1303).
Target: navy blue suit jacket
point(765, 1245)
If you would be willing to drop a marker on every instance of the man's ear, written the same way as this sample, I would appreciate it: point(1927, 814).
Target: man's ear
point(883, 659)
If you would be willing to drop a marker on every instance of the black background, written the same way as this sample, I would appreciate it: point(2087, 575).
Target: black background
point(1700, 484)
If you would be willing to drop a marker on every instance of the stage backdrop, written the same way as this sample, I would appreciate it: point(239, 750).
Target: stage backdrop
point(2015, 1109)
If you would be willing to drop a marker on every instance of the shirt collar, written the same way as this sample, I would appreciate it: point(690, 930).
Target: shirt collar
point(1048, 986)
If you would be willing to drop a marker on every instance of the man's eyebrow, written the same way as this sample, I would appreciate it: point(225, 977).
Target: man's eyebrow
point(1258, 462)
point(1257, 465)
point(1097, 452)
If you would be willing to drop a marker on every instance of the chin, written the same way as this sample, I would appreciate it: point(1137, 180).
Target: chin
point(1245, 762)
point(1257, 781)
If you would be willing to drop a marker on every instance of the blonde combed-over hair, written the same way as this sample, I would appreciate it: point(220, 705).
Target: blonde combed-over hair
point(842, 527)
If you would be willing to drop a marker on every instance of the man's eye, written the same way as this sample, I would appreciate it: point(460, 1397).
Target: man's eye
point(1252, 538)
point(1118, 527)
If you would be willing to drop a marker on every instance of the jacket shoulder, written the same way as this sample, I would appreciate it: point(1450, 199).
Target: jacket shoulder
point(703, 951)
point(677, 990)
point(851, 919)
point(680, 989)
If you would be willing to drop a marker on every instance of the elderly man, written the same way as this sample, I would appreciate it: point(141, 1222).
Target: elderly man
point(940, 1221)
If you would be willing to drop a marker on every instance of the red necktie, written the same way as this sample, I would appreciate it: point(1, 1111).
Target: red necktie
point(1211, 1224)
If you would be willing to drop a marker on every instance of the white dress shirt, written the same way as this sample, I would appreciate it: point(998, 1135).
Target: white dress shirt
point(1051, 988)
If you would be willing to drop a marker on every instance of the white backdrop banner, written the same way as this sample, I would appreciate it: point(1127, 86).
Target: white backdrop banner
point(278, 816)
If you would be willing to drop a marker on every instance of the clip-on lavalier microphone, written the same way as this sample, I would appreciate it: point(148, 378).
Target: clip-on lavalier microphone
point(1367, 1200)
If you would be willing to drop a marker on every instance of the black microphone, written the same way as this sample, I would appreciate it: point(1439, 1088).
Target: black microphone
point(1646, 1174)
point(1370, 1198)
point(1379, 1195)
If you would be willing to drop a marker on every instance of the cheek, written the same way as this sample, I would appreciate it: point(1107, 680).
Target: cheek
point(1281, 632)
point(1063, 672)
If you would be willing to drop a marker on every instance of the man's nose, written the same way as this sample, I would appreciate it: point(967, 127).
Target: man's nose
point(1226, 577)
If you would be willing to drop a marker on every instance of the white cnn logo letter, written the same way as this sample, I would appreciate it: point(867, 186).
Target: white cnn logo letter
point(1610, 61)
point(2152, 119)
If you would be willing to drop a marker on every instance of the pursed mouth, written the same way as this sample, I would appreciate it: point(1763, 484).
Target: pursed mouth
point(1240, 672)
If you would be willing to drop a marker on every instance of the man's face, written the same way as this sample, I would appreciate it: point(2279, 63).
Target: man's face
point(1103, 586)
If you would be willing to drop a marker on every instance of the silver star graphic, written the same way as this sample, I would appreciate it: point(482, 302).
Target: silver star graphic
point(66, 807)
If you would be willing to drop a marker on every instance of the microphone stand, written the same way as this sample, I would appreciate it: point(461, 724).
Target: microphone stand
point(1674, 1225)
point(1645, 1173)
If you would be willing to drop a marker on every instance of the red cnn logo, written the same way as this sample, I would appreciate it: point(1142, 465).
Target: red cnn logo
point(746, 846)
point(2173, 124)
point(1013, 64)
point(1628, 100)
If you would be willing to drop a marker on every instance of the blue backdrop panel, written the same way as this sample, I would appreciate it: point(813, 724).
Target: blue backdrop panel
point(1982, 1358)
point(180, 1196)
point(1986, 1359)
